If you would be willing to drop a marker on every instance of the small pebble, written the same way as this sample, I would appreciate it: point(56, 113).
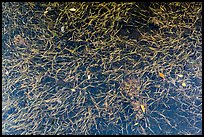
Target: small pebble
point(143, 108)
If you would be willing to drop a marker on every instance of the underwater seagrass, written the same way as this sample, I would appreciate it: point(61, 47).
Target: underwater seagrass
point(101, 68)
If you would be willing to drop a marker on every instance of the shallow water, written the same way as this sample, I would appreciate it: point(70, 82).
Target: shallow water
point(88, 78)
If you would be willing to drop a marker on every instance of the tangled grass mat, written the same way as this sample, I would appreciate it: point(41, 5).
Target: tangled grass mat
point(101, 68)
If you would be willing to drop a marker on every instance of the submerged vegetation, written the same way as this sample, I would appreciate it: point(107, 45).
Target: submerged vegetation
point(101, 68)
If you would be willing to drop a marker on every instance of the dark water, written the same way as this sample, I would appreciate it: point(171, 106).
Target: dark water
point(88, 79)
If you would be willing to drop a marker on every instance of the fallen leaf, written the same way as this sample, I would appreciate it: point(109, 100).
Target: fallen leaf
point(143, 108)
point(180, 75)
point(183, 84)
point(136, 124)
point(161, 75)
point(72, 9)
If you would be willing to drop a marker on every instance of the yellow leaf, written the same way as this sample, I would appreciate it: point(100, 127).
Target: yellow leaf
point(72, 9)
point(47, 100)
point(136, 124)
point(72, 51)
point(183, 84)
point(180, 75)
point(143, 108)
point(161, 75)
